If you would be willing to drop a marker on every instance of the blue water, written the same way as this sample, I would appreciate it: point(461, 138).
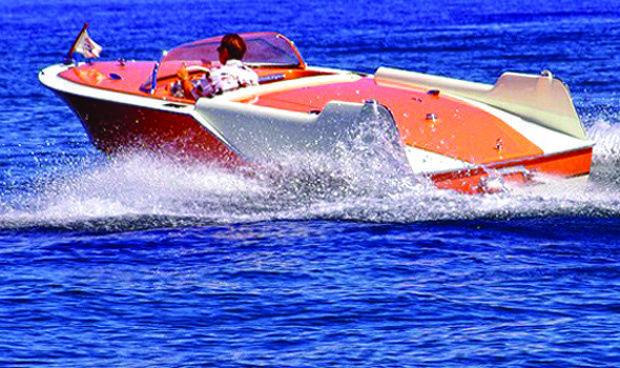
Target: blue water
point(137, 261)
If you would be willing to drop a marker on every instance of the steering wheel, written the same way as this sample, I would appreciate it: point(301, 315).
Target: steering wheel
point(198, 68)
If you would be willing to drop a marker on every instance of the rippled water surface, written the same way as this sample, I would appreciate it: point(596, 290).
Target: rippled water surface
point(143, 261)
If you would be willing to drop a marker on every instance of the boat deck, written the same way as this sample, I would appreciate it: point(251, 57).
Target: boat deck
point(434, 122)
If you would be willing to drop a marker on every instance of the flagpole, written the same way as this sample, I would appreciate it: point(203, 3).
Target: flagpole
point(70, 53)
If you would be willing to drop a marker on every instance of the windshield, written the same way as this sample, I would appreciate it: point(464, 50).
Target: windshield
point(263, 49)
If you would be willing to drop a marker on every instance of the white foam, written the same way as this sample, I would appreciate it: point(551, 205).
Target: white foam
point(607, 138)
point(368, 184)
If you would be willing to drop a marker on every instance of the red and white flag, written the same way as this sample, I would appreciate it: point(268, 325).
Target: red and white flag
point(86, 46)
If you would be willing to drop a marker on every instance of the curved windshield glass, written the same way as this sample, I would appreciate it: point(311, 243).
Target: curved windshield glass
point(263, 49)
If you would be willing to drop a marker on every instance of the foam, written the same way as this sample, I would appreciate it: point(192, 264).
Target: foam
point(365, 184)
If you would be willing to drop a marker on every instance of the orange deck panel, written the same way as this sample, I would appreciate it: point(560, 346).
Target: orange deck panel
point(460, 131)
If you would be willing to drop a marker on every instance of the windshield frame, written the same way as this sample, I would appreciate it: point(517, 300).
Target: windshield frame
point(207, 46)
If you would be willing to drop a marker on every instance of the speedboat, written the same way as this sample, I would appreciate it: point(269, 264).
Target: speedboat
point(465, 136)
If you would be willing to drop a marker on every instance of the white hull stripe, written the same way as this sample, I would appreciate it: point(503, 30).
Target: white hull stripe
point(427, 162)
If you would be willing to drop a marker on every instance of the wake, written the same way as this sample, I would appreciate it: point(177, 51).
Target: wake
point(368, 184)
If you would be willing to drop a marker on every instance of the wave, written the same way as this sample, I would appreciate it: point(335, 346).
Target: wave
point(146, 191)
point(605, 132)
